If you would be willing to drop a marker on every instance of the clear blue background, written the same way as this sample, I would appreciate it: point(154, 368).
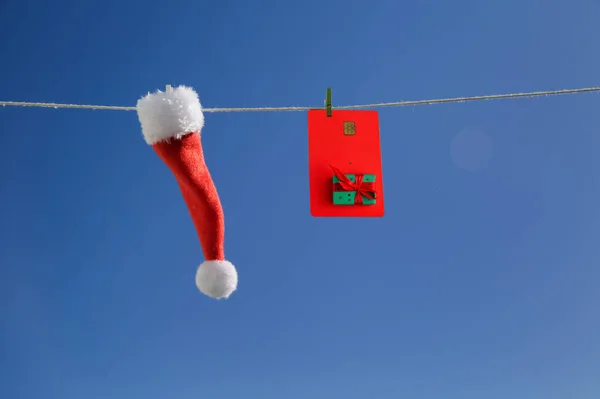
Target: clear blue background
point(477, 285)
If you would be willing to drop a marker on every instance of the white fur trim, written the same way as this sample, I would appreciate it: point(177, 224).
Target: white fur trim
point(170, 115)
point(217, 278)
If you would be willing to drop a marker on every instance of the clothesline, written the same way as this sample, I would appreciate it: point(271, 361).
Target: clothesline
point(283, 109)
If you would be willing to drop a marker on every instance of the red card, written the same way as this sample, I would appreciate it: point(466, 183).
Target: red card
point(349, 142)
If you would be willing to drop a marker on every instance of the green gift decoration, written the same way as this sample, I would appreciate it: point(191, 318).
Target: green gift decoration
point(343, 195)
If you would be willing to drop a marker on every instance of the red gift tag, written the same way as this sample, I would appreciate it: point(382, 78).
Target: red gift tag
point(349, 142)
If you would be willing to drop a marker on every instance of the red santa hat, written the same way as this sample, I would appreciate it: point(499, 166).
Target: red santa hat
point(171, 124)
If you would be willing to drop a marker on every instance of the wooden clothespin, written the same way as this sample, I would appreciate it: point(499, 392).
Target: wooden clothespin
point(328, 102)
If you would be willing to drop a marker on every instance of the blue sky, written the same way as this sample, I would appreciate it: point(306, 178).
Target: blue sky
point(478, 283)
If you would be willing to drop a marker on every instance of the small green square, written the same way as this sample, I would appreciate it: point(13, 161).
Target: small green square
point(344, 197)
point(368, 201)
point(369, 178)
point(351, 177)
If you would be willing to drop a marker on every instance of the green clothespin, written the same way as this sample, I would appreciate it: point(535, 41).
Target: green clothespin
point(328, 101)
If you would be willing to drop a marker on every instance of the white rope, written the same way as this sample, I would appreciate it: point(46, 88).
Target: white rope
point(283, 109)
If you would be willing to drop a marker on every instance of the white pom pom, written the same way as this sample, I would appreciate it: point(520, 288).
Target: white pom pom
point(217, 278)
point(169, 115)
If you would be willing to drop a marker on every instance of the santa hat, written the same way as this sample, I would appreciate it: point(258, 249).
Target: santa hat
point(171, 124)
